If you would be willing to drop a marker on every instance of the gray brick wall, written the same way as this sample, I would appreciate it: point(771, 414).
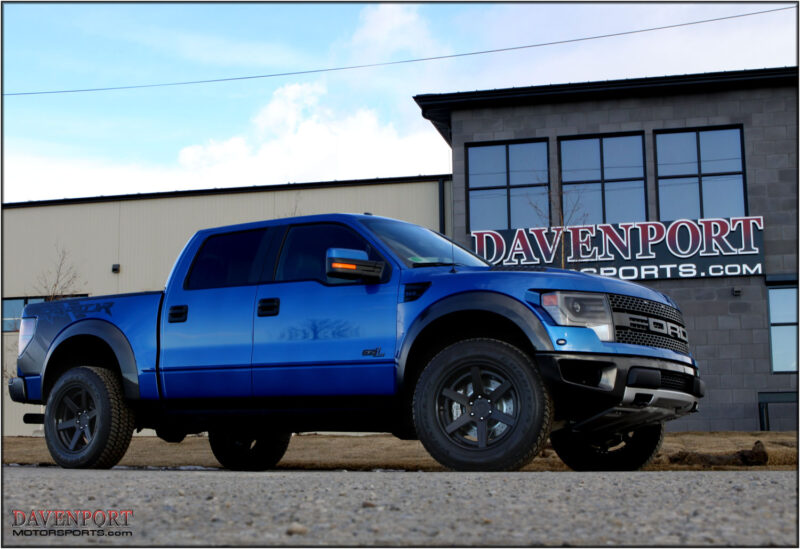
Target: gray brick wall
point(729, 335)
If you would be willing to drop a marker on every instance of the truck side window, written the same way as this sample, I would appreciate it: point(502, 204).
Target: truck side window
point(303, 255)
point(229, 259)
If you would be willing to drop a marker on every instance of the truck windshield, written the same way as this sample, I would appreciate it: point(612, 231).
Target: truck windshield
point(420, 247)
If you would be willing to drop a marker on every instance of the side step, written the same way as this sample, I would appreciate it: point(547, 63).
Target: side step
point(33, 419)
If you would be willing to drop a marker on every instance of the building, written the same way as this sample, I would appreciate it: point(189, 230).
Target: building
point(685, 183)
point(719, 147)
point(128, 243)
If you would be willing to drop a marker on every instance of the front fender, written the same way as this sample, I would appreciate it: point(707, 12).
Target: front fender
point(491, 302)
point(114, 338)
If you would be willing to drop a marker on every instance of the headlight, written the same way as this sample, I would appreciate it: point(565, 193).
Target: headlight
point(26, 329)
point(581, 309)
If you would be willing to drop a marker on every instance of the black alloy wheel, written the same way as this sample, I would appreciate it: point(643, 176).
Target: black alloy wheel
point(477, 406)
point(76, 418)
point(481, 405)
point(87, 422)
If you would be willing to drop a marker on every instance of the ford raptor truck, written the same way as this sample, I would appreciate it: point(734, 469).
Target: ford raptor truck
point(359, 323)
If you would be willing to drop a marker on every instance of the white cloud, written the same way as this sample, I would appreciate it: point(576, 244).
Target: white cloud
point(294, 138)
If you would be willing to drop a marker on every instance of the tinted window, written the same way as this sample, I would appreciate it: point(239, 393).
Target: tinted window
point(228, 260)
point(715, 187)
point(783, 329)
point(487, 166)
point(527, 163)
point(305, 250)
point(580, 160)
point(508, 179)
point(603, 180)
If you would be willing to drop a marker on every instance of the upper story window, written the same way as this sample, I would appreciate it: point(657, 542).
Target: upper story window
point(508, 185)
point(602, 180)
point(229, 259)
point(700, 174)
point(783, 328)
point(304, 253)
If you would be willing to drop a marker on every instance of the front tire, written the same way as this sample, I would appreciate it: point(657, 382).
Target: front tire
point(481, 405)
point(628, 451)
point(241, 451)
point(88, 424)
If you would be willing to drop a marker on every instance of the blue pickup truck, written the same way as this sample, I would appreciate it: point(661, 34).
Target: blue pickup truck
point(360, 323)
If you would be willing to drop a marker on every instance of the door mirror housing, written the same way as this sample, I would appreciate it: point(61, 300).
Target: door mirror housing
point(352, 265)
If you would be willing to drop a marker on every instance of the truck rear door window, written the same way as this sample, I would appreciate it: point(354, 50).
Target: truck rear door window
point(230, 259)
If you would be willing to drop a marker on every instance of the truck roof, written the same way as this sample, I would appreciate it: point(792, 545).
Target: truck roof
point(318, 218)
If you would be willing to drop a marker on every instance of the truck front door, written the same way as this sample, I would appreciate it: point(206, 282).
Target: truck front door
point(319, 335)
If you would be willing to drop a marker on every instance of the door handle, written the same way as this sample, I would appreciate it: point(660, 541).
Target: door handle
point(178, 313)
point(269, 307)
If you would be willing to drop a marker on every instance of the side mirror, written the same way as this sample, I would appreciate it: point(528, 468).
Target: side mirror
point(352, 265)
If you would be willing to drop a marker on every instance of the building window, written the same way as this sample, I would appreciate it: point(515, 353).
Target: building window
point(12, 311)
point(508, 185)
point(700, 174)
point(783, 328)
point(602, 180)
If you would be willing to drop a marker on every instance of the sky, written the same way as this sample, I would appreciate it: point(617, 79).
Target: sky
point(329, 126)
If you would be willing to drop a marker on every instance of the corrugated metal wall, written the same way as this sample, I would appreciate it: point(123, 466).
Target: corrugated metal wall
point(145, 237)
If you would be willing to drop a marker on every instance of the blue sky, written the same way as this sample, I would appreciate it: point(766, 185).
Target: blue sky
point(318, 127)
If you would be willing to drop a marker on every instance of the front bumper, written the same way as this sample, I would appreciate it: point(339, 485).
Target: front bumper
point(605, 392)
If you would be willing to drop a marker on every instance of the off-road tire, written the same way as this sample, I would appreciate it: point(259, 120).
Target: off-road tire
point(637, 449)
point(457, 421)
point(87, 422)
point(241, 451)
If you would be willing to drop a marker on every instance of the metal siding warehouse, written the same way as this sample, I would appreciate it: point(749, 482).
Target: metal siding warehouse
point(144, 234)
point(525, 144)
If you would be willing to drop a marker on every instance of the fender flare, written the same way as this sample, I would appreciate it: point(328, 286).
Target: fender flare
point(490, 302)
point(114, 338)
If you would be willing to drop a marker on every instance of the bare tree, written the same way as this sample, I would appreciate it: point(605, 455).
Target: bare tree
point(574, 215)
point(60, 280)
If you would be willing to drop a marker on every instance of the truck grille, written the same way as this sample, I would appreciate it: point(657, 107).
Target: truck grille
point(642, 322)
point(633, 337)
point(628, 304)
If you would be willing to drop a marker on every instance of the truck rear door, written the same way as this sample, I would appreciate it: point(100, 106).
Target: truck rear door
point(207, 318)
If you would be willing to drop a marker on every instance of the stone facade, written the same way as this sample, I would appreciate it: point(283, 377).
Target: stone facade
point(729, 334)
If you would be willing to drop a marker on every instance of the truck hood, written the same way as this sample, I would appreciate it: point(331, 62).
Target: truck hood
point(540, 278)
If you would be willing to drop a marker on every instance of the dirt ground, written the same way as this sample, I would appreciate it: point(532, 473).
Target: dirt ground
point(706, 451)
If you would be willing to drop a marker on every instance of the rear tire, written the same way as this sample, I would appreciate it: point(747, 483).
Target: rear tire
point(87, 423)
point(631, 451)
point(481, 405)
point(241, 451)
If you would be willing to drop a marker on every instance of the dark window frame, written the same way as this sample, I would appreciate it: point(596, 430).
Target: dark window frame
point(602, 180)
point(265, 242)
point(699, 174)
point(770, 324)
point(507, 187)
point(286, 229)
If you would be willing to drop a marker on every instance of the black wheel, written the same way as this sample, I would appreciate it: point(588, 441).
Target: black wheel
point(241, 451)
point(627, 451)
point(481, 405)
point(87, 422)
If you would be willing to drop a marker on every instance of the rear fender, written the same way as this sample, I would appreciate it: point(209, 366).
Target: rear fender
point(114, 338)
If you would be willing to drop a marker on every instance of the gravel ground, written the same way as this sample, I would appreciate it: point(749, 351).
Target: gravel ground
point(205, 507)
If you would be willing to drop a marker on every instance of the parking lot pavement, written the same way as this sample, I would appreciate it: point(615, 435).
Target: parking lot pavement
point(205, 507)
